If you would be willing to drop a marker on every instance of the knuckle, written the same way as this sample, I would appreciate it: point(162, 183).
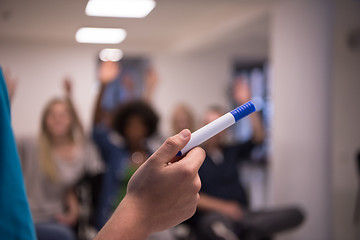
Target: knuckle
point(170, 142)
point(201, 152)
point(188, 172)
point(197, 184)
point(196, 201)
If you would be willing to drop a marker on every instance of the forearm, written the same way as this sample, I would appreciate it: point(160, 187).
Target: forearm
point(257, 127)
point(209, 203)
point(150, 84)
point(77, 120)
point(98, 109)
point(11, 85)
point(229, 208)
point(127, 223)
point(73, 204)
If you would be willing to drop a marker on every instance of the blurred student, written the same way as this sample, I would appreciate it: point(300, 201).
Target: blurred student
point(133, 124)
point(52, 166)
point(182, 118)
point(121, 134)
point(124, 148)
point(223, 211)
point(159, 195)
point(124, 81)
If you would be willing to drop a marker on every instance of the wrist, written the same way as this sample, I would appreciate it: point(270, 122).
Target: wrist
point(128, 222)
point(137, 216)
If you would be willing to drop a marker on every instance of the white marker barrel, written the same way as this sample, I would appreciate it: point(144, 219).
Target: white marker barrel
point(208, 131)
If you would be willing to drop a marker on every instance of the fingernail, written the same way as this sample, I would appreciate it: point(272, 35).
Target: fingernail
point(185, 133)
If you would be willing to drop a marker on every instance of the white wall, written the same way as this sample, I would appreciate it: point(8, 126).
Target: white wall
point(198, 81)
point(316, 132)
point(301, 60)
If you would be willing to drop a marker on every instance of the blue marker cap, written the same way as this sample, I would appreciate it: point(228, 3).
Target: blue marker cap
point(243, 111)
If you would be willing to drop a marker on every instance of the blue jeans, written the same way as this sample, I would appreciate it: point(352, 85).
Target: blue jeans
point(54, 231)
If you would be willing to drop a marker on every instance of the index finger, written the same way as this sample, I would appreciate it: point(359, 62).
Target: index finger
point(166, 153)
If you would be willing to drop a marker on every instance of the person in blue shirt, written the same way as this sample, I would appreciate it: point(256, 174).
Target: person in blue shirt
point(15, 220)
point(124, 147)
point(123, 136)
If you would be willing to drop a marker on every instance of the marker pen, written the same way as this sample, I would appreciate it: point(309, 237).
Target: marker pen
point(216, 126)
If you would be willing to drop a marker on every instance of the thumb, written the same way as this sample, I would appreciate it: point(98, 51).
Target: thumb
point(168, 150)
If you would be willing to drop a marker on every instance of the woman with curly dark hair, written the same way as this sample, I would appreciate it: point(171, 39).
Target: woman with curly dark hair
point(124, 147)
point(135, 121)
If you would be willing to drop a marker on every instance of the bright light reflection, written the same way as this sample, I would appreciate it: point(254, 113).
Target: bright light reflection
point(110, 54)
point(120, 8)
point(100, 35)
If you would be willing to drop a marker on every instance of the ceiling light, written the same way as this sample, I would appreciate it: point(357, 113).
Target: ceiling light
point(100, 35)
point(119, 8)
point(110, 54)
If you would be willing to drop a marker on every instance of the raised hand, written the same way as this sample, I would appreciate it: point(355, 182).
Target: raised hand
point(241, 91)
point(67, 84)
point(108, 71)
point(11, 83)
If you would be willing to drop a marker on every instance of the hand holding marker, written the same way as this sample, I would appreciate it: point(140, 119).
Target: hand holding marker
point(216, 126)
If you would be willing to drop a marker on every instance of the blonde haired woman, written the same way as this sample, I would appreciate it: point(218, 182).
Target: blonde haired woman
point(53, 165)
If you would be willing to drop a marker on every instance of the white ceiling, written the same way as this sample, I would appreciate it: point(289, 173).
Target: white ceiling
point(174, 25)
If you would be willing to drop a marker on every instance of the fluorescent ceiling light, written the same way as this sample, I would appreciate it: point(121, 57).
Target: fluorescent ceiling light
point(110, 54)
point(119, 8)
point(100, 35)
